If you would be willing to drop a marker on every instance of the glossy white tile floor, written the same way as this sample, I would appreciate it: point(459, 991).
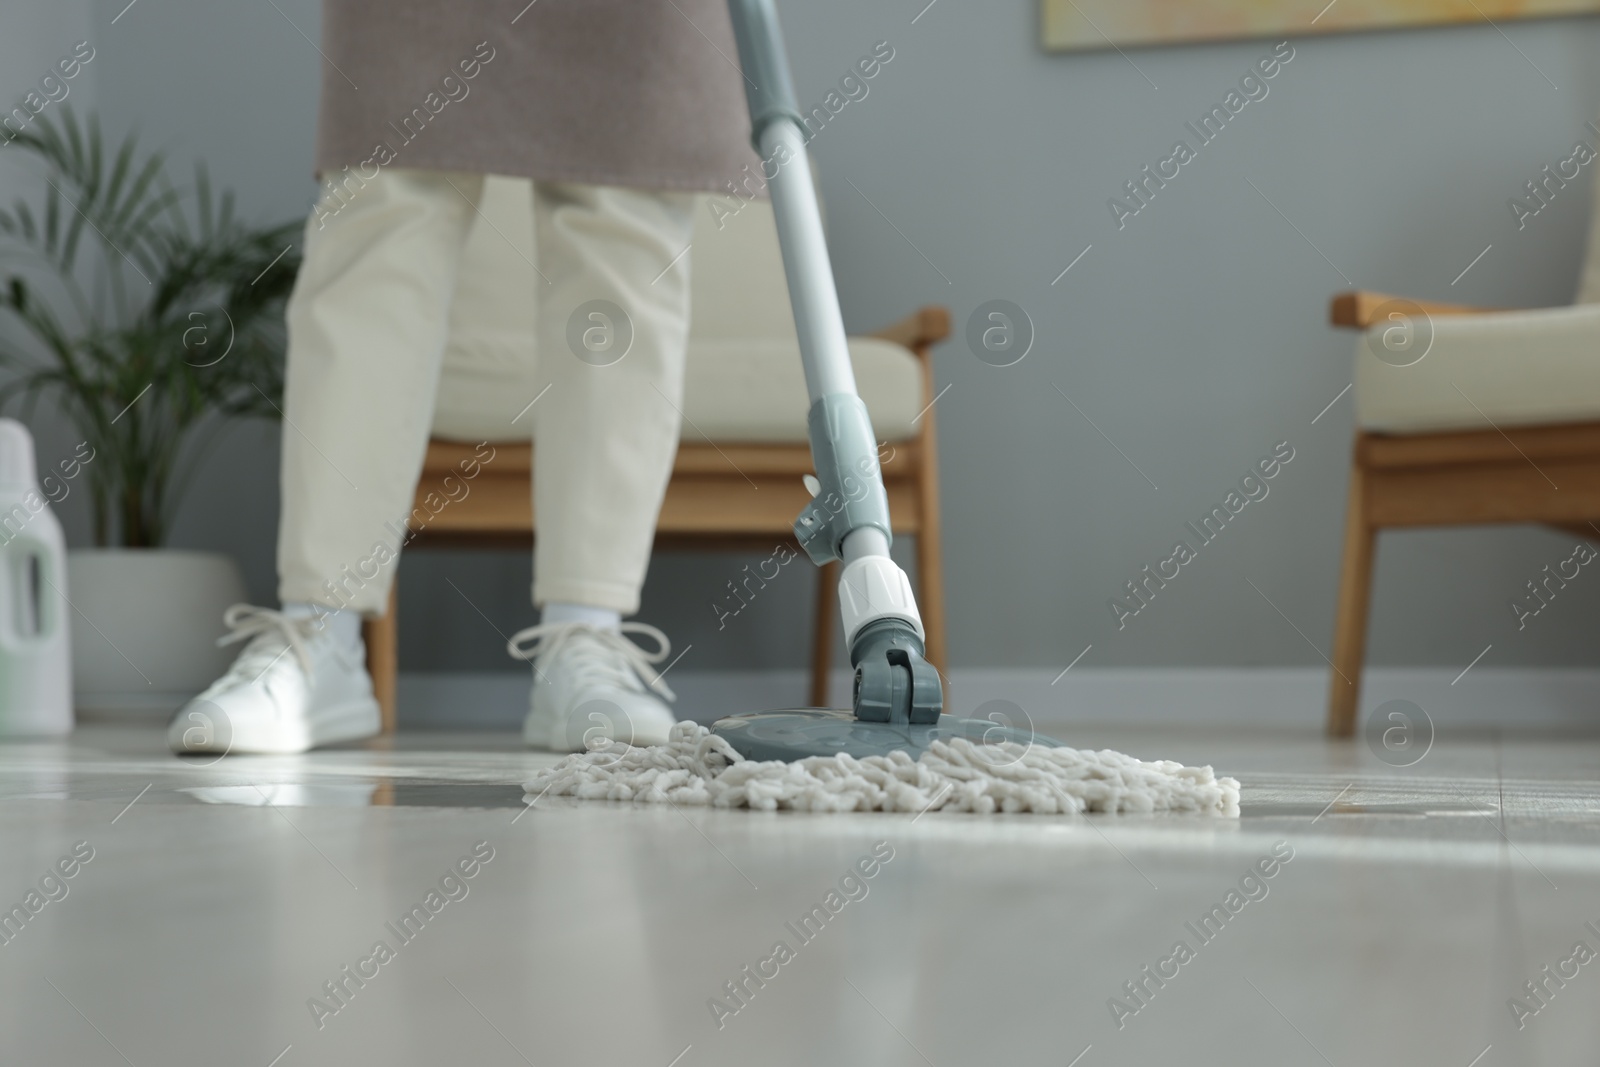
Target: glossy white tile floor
point(220, 898)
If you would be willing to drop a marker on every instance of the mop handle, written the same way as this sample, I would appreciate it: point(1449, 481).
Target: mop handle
point(779, 135)
point(848, 518)
point(842, 443)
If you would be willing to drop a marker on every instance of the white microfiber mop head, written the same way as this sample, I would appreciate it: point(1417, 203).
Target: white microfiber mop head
point(697, 767)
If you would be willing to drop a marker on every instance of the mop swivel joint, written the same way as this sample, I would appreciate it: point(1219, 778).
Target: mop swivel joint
point(851, 494)
point(882, 626)
point(894, 684)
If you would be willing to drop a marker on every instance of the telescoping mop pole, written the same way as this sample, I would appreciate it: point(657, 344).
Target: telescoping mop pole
point(848, 517)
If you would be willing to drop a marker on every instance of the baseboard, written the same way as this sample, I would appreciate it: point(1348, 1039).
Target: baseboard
point(1539, 698)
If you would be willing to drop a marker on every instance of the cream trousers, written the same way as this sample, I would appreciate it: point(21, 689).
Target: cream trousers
point(368, 323)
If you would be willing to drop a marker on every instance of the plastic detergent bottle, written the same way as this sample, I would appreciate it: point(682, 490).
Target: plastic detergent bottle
point(35, 662)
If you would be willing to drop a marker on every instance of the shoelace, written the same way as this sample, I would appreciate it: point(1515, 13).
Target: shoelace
point(246, 621)
point(590, 659)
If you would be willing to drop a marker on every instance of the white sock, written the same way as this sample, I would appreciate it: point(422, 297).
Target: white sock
point(602, 618)
point(345, 625)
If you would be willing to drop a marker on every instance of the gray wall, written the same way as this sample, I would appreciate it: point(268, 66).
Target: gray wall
point(33, 38)
point(1193, 338)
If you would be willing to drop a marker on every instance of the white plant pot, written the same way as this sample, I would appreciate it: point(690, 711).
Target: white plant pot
point(145, 623)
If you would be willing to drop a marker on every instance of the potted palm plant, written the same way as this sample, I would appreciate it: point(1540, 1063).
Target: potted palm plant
point(151, 315)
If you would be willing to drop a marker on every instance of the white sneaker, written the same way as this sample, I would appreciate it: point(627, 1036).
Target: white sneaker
point(294, 687)
point(593, 686)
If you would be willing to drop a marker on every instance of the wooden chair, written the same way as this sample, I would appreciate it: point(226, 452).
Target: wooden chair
point(1504, 472)
point(740, 318)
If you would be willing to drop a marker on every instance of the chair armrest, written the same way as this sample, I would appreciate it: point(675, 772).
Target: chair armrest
point(1358, 308)
point(920, 330)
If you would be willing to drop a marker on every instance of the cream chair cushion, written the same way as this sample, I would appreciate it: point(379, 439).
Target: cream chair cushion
point(1512, 368)
point(743, 381)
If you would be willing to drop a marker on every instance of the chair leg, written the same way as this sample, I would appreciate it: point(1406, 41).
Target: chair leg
point(930, 591)
point(822, 638)
point(1350, 623)
point(930, 541)
point(382, 637)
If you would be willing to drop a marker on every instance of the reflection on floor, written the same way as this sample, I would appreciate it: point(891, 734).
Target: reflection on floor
point(399, 903)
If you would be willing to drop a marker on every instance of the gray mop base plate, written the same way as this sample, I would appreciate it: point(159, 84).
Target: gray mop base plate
point(796, 733)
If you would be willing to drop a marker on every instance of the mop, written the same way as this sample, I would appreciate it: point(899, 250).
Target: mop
point(698, 767)
point(894, 750)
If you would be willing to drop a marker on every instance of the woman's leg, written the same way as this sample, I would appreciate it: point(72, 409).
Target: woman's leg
point(367, 323)
point(613, 324)
point(367, 327)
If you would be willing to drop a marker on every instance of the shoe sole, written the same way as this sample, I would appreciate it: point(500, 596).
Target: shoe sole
point(353, 721)
point(537, 730)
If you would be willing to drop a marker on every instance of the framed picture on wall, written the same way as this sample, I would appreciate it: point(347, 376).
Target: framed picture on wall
point(1069, 25)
